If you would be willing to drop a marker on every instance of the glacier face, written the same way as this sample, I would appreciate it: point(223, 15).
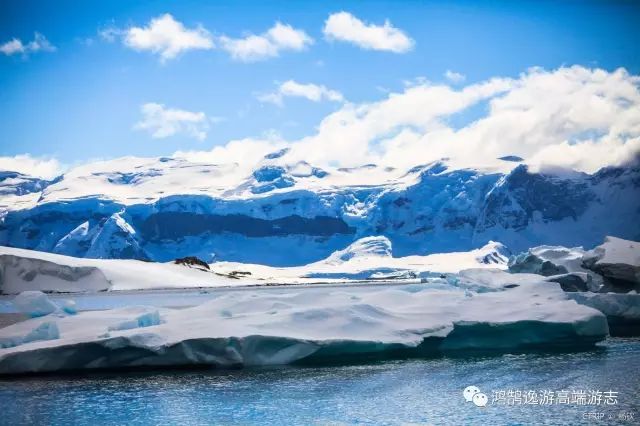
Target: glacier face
point(284, 214)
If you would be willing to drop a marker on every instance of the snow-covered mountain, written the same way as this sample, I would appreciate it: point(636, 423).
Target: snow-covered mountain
point(284, 213)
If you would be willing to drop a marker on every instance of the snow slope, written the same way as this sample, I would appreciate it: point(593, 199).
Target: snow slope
point(372, 258)
point(22, 270)
point(368, 258)
point(284, 213)
point(515, 312)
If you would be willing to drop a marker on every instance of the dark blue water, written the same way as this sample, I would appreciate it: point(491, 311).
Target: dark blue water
point(398, 392)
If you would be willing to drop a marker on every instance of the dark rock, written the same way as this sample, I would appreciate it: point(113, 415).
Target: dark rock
point(192, 261)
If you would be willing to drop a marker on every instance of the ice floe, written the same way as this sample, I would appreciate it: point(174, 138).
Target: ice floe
point(506, 312)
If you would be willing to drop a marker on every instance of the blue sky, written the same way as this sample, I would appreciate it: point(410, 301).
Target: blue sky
point(83, 100)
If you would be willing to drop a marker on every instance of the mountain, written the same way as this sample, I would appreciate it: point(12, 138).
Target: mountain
point(285, 213)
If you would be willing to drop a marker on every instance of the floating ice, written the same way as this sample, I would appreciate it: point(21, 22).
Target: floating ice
point(617, 260)
point(45, 331)
point(34, 303)
point(147, 319)
point(265, 327)
point(69, 307)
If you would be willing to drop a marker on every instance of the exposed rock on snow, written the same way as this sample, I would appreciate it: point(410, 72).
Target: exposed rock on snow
point(192, 261)
point(22, 270)
point(515, 313)
point(367, 258)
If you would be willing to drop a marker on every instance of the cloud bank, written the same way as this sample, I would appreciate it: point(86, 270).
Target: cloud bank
point(46, 168)
point(572, 117)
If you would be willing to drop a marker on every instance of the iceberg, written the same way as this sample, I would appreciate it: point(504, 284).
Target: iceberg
point(513, 313)
point(34, 304)
point(622, 310)
point(44, 331)
point(146, 319)
point(618, 261)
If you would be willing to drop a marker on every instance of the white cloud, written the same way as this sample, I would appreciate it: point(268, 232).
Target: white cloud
point(343, 26)
point(163, 36)
point(278, 38)
point(454, 77)
point(16, 46)
point(162, 122)
point(243, 154)
point(312, 92)
point(570, 117)
point(46, 168)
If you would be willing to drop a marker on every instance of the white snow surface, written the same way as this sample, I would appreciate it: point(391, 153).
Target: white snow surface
point(131, 180)
point(617, 251)
point(367, 258)
point(616, 258)
point(22, 270)
point(265, 327)
point(371, 258)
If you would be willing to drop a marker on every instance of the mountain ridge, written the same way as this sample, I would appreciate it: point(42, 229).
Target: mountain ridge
point(283, 214)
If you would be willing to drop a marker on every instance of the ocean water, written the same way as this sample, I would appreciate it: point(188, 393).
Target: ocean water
point(415, 391)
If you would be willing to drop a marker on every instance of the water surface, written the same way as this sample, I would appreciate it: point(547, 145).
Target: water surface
point(424, 391)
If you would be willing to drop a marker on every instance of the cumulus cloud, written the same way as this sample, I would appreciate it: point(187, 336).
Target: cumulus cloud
point(310, 91)
point(573, 117)
point(46, 168)
point(454, 77)
point(15, 46)
point(162, 122)
point(343, 26)
point(163, 36)
point(278, 38)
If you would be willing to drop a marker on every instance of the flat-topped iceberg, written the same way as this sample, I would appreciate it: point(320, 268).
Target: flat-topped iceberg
point(504, 312)
point(617, 260)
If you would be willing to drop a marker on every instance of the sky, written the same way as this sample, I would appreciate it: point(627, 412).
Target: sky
point(342, 82)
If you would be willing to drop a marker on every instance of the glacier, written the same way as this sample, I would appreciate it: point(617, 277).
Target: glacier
point(284, 213)
point(297, 325)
